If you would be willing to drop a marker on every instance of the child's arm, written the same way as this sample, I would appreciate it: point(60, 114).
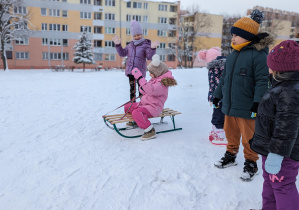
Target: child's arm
point(151, 50)
point(218, 92)
point(122, 52)
point(261, 76)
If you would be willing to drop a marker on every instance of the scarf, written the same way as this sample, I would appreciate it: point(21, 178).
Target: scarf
point(137, 42)
point(240, 46)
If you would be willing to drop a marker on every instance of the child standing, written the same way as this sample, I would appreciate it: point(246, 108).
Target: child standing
point(243, 83)
point(154, 94)
point(215, 65)
point(276, 135)
point(137, 51)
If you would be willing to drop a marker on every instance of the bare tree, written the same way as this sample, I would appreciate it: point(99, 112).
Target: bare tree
point(192, 23)
point(13, 24)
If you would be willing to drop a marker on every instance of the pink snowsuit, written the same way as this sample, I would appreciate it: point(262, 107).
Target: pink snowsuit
point(152, 102)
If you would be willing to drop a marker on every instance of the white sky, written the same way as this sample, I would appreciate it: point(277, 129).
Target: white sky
point(240, 7)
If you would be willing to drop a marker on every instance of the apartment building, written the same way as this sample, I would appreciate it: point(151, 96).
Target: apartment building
point(58, 24)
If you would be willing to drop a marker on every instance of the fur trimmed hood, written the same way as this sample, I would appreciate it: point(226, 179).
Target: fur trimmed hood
point(263, 40)
point(217, 63)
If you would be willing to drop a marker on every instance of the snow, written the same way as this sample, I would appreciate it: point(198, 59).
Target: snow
point(57, 153)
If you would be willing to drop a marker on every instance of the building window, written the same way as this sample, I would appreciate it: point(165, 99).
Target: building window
point(64, 0)
point(109, 57)
point(109, 30)
point(22, 55)
point(54, 12)
point(162, 45)
point(65, 28)
point(98, 56)
point(163, 57)
point(22, 41)
point(43, 11)
point(54, 42)
point(171, 58)
point(137, 5)
point(97, 43)
point(172, 34)
point(20, 10)
point(65, 42)
point(145, 32)
point(109, 44)
point(97, 2)
point(163, 20)
point(54, 27)
point(85, 15)
point(145, 5)
point(110, 3)
point(64, 13)
point(97, 16)
point(136, 17)
point(44, 26)
point(97, 29)
point(128, 31)
point(128, 17)
point(173, 8)
point(55, 56)
point(128, 4)
point(85, 28)
point(162, 7)
point(44, 41)
point(162, 33)
point(8, 54)
point(145, 19)
point(172, 21)
point(109, 16)
point(85, 1)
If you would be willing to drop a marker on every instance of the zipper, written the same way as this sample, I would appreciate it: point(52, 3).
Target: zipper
point(231, 83)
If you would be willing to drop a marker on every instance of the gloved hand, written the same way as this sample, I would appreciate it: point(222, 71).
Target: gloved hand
point(136, 73)
point(253, 109)
point(215, 103)
point(273, 163)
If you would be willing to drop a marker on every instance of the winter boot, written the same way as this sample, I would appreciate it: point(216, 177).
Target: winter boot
point(219, 141)
point(226, 161)
point(149, 133)
point(131, 124)
point(249, 171)
point(212, 135)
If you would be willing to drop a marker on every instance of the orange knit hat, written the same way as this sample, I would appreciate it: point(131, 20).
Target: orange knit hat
point(246, 27)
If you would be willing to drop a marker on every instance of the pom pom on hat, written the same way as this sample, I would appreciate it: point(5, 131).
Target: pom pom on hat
point(246, 27)
point(135, 28)
point(157, 67)
point(284, 57)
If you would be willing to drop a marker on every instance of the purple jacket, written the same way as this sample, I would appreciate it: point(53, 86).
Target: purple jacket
point(137, 55)
point(155, 93)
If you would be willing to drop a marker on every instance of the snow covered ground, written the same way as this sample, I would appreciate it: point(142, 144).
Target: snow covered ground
point(57, 153)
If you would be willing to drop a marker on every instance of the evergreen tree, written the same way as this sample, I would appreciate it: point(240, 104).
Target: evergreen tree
point(83, 50)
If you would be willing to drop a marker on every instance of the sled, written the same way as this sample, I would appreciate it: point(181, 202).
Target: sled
point(112, 120)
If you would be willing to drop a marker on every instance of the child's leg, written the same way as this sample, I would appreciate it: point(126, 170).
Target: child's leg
point(141, 115)
point(284, 185)
point(132, 86)
point(233, 134)
point(267, 194)
point(133, 107)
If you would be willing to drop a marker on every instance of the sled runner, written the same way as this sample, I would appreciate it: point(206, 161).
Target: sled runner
point(112, 120)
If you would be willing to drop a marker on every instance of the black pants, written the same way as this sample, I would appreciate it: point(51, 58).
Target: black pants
point(133, 82)
point(218, 117)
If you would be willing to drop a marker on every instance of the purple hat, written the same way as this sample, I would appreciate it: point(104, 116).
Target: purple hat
point(135, 28)
point(284, 57)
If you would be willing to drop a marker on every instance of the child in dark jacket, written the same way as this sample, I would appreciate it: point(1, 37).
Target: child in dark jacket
point(276, 135)
point(154, 95)
point(243, 83)
point(215, 65)
point(137, 51)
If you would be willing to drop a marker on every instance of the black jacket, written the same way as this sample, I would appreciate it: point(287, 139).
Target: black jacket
point(277, 122)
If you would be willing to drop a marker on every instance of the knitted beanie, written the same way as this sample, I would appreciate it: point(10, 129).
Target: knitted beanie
point(246, 27)
point(209, 55)
point(157, 67)
point(284, 57)
point(135, 28)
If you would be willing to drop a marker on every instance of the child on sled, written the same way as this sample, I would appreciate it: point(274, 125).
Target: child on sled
point(155, 93)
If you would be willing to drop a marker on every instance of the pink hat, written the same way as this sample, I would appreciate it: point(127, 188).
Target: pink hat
point(135, 28)
point(284, 57)
point(209, 55)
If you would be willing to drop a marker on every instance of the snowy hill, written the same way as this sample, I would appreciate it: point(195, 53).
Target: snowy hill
point(57, 153)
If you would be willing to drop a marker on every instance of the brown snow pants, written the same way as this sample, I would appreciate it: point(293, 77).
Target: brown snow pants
point(234, 128)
